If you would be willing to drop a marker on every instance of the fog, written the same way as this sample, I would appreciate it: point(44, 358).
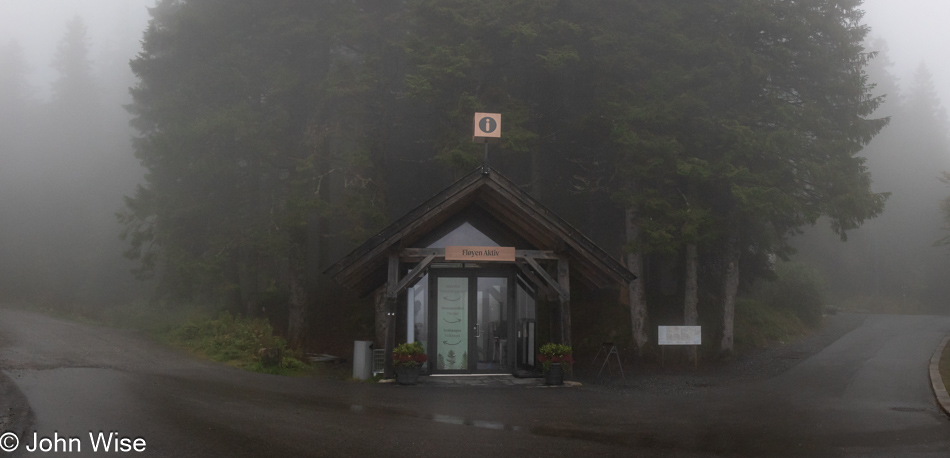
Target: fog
point(916, 32)
point(65, 167)
point(65, 148)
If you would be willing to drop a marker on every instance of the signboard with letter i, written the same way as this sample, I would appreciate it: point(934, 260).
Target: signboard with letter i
point(487, 128)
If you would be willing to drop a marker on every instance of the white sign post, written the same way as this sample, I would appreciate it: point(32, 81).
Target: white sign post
point(680, 335)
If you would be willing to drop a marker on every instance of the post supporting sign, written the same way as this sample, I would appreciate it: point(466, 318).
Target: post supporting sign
point(680, 335)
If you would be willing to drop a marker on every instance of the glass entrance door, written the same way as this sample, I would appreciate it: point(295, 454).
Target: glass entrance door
point(471, 322)
point(491, 328)
point(452, 324)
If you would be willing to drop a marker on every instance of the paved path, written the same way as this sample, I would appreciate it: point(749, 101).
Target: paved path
point(866, 394)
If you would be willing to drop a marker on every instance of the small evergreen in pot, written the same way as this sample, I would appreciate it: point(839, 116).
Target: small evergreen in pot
point(554, 357)
point(407, 358)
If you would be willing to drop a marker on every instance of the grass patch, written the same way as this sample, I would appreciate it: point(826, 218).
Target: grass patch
point(759, 324)
point(237, 342)
point(234, 341)
point(882, 304)
point(136, 316)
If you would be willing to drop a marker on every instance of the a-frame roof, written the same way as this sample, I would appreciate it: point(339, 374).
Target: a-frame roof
point(364, 269)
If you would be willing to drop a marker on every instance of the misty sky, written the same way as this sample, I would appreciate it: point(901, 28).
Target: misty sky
point(916, 30)
point(38, 26)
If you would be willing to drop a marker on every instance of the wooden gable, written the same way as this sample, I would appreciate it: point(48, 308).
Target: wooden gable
point(365, 268)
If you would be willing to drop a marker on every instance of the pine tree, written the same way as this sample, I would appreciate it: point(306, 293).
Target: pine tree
point(75, 94)
point(254, 127)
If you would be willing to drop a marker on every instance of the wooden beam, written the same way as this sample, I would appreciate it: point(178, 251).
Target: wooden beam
point(520, 223)
point(412, 275)
point(536, 254)
point(381, 317)
point(392, 275)
point(564, 280)
point(393, 280)
point(541, 284)
point(422, 219)
point(418, 254)
point(547, 277)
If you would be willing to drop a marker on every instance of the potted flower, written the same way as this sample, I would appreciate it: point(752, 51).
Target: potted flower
point(554, 357)
point(407, 358)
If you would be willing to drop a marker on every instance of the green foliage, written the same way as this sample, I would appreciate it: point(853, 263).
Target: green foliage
point(498, 56)
point(235, 341)
point(551, 353)
point(227, 337)
point(411, 354)
point(797, 289)
point(759, 324)
point(727, 124)
point(552, 350)
point(252, 125)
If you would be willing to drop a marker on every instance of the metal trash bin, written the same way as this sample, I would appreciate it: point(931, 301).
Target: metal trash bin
point(362, 359)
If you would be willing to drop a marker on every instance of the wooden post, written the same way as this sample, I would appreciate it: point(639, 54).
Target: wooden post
point(382, 312)
point(391, 295)
point(564, 281)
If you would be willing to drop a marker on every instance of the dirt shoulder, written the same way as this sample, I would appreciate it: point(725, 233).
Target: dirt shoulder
point(15, 413)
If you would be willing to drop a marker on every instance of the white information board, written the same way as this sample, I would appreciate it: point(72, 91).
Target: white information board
point(680, 335)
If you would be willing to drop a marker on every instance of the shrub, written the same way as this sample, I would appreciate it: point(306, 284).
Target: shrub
point(409, 354)
point(797, 289)
point(552, 353)
point(236, 341)
point(758, 324)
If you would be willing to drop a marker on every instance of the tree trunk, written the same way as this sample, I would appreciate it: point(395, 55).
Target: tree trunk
point(564, 280)
point(382, 314)
point(691, 296)
point(638, 304)
point(297, 305)
point(730, 287)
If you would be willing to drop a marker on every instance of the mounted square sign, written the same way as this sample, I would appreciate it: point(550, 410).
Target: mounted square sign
point(487, 128)
point(480, 253)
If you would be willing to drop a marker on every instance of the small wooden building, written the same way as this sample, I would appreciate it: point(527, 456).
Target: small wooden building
point(464, 272)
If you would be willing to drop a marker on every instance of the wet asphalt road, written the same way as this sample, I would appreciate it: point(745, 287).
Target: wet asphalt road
point(866, 394)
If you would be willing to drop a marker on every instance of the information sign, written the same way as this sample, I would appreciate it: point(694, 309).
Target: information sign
point(680, 335)
point(487, 128)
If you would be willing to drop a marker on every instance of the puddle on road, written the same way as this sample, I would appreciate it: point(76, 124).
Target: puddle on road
point(908, 409)
point(440, 418)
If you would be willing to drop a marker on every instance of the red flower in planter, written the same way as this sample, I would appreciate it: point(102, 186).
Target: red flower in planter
point(409, 354)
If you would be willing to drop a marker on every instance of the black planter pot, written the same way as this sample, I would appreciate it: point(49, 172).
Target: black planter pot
point(407, 375)
point(554, 375)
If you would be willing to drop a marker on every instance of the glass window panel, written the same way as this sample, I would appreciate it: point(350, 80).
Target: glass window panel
point(492, 315)
point(417, 312)
point(464, 235)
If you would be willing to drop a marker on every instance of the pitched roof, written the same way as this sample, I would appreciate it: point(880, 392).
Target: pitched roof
point(364, 269)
